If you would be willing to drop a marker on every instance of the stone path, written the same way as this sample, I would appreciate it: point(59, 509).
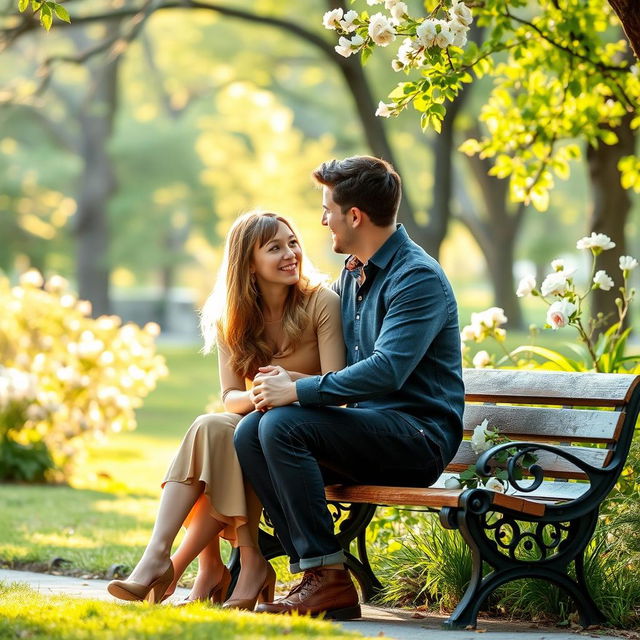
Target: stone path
point(376, 621)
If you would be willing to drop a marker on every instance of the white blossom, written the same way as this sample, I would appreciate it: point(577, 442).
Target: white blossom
point(459, 32)
point(445, 36)
point(460, 12)
point(493, 484)
point(598, 241)
point(479, 442)
point(373, 2)
point(602, 280)
point(490, 317)
point(346, 47)
point(426, 32)
point(56, 284)
point(526, 286)
point(347, 24)
point(481, 359)
point(555, 284)
point(331, 19)
point(558, 264)
point(398, 12)
point(31, 278)
point(470, 333)
point(385, 110)
point(628, 263)
point(452, 483)
point(381, 30)
point(559, 313)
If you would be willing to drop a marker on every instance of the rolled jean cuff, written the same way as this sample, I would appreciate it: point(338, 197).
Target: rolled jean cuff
point(322, 561)
point(294, 567)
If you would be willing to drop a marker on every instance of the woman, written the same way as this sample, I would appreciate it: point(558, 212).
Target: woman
point(264, 310)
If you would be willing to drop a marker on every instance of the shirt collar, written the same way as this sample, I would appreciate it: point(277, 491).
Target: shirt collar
point(383, 255)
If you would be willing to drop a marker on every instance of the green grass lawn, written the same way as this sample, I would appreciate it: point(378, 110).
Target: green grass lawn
point(27, 614)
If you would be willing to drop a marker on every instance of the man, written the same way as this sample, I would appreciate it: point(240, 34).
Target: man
point(402, 388)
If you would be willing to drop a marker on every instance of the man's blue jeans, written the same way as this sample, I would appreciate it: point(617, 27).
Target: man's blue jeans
point(289, 454)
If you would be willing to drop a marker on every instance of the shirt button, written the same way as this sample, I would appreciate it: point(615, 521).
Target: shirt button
point(357, 316)
point(356, 347)
point(355, 405)
point(359, 298)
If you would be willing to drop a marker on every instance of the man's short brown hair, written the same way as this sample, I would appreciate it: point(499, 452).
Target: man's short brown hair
point(365, 182)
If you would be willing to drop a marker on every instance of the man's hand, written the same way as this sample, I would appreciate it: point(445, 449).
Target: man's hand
point(273, 387)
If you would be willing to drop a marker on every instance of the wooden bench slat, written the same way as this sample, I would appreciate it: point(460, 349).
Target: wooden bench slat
point(543, 424)
point(554, 466)
point(435, 498)
point(548, 387)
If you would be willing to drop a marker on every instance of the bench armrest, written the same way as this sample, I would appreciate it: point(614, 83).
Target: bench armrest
point(485, 468)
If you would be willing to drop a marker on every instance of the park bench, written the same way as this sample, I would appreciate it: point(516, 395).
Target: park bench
point(578, 425)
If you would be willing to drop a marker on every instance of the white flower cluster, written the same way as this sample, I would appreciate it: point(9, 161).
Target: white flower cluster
point(484, 324)
point(559, 282)
point(382, 29)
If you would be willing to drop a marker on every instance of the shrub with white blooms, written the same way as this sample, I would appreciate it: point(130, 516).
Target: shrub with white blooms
point(65, 376)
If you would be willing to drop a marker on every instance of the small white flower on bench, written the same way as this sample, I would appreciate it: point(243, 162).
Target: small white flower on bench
point(481, 439)
point(493, 484)
point(452, 483)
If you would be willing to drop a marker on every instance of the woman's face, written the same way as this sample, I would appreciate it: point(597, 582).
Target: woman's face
point(278, 261)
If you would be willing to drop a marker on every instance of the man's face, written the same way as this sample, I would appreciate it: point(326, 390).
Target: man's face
point(341, 232)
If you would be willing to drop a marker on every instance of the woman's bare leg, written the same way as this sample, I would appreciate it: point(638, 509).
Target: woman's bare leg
point(201, 540)
point(253, 569)
point(176, 502)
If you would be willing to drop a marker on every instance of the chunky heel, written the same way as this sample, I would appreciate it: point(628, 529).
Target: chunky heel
point(264, 593)
point(133, 591)
point(268, 591)
point(219, 593)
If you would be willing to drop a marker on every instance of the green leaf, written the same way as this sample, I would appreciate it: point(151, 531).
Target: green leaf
point(46, 19)
point(548, 354)
point(574, 88)
point(365, 54)
point(62, 13)
point(22, 5)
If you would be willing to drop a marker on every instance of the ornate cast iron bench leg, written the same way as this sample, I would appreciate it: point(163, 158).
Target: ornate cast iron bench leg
point(499, 540)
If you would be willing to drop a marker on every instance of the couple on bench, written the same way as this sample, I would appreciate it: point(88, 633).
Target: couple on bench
point(358, 383)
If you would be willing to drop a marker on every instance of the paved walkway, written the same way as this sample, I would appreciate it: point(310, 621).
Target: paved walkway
point(376, 621)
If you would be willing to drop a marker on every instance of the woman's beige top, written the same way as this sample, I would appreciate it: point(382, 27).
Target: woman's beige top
point(320, 350)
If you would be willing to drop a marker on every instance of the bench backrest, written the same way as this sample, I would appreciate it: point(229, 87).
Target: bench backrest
point(590, 415)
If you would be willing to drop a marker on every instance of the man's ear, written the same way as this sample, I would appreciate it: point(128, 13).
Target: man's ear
point(356, 217)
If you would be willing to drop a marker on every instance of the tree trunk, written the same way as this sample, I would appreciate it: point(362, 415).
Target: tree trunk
point(496, 232)
point(629, 13)
point(97, 184)
point(611, 206)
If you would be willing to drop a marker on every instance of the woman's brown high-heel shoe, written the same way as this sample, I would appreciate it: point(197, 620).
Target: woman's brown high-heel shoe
point(217, 594)
point(134, 591)
point(264, 593)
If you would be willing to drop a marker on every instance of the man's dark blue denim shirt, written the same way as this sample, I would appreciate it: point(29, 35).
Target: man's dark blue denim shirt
point(403, 344)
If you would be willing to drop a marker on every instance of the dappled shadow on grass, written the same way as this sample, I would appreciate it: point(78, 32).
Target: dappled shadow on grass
point(25, 613)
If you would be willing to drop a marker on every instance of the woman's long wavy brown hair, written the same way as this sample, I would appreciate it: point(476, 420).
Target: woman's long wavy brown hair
point(233, 315)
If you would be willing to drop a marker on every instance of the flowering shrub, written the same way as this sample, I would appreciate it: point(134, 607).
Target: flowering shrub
point(603, 350)
point(65, 376)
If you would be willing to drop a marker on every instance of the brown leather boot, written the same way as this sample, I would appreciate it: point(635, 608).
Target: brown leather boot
point(328, 591)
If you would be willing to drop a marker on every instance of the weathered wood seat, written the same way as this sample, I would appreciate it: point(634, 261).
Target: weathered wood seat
point(578, 425)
